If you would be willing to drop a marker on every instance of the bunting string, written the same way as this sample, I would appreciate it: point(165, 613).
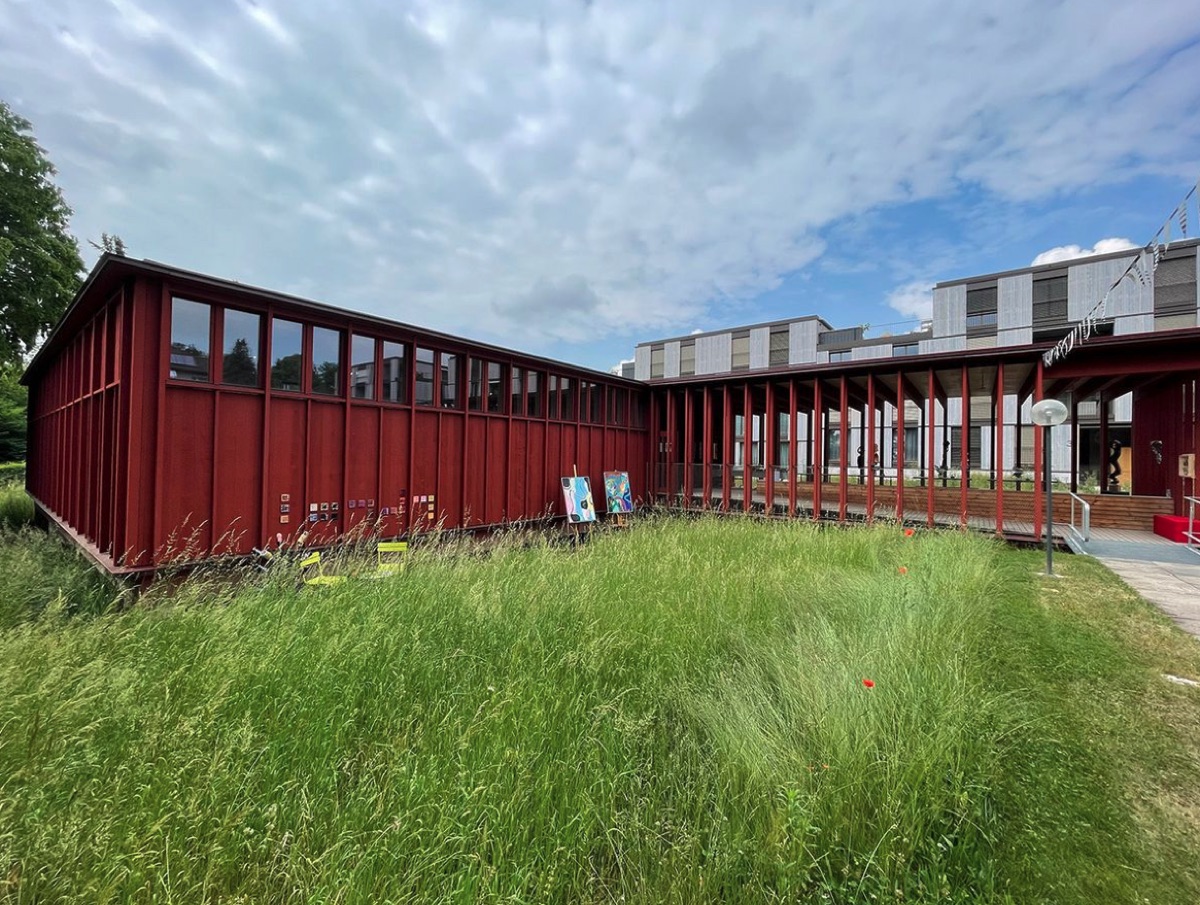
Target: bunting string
point(1141, 267)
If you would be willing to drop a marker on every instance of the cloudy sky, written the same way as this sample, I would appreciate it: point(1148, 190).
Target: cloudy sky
point(571, 178)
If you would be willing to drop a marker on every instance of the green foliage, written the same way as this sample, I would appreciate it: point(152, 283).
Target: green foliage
point(16, 508)
point(676, 713)
point(14, 400)
point(39, 259)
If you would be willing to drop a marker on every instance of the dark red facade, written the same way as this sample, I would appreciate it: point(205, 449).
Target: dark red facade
point(175, 416)
point(150, 449)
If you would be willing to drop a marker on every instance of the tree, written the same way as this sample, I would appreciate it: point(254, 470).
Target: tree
point(113, 245)
point(13, 400)
point(39, 259)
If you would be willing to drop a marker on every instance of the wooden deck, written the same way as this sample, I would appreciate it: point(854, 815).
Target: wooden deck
point(1110, 513)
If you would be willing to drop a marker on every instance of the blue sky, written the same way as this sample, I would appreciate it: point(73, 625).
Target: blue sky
point(571, 178)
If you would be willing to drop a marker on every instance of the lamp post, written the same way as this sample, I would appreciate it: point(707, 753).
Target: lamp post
point(1048, 413)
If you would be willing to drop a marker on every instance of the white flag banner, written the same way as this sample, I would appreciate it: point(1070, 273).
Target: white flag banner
point(1141, 268)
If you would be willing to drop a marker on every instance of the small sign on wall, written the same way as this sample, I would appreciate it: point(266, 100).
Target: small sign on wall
point(1187, 465)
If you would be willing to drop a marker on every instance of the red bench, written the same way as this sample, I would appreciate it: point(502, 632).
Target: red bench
point(1172, 527)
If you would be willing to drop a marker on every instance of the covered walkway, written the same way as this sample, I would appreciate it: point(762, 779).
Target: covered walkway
point(939, 439)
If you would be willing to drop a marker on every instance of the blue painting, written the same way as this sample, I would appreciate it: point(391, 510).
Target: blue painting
point(577, 494)
point(617, 492)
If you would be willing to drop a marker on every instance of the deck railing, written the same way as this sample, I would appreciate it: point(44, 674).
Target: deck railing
point(1190, 536)
point(1083, 529)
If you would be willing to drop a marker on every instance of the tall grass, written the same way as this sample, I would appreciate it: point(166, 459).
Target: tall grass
point(16, 506)
point(676, 713)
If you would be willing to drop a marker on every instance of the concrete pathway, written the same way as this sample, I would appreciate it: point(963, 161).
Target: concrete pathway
point(1165, 573)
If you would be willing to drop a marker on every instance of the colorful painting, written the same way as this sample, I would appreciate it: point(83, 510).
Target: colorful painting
point(577, 493)
point(617, 492)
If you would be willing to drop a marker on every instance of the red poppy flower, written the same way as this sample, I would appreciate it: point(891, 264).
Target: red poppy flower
point(909, 532)
point(903, 570)
point(868, 683)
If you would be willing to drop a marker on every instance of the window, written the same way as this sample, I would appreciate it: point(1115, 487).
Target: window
point(190, 332)
point(533, 397)
point(1050, 299)
point(566, 399)
point(952, 458)
point(616, 405)
point(658, 359)
point(287, 342)
point(597, 406)
point(638, 410)
point(475, 386)
point(362, 367)
point(843, 355)
point(327, 361)
point(395, 372)
point(833, 448)
point(518, 391)
point(778, 354)
point(740, 357)
point(687, 358)
point(552, 397)
point(495, 387)
point(239, 359)
point(912, 446)
point(976, 321)
point(1175, 287)
point(424, 393)
point(906, 349)
point(450, 366)
point(981, 309)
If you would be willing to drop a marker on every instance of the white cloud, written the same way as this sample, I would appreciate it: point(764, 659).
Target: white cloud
point(469, 165)
point(1067, 252)
point(913, 300)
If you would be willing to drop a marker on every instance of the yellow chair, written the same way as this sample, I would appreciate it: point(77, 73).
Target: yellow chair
point(313, 575)
point(390, 556)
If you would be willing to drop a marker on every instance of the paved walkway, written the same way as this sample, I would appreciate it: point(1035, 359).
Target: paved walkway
point(1165, 573)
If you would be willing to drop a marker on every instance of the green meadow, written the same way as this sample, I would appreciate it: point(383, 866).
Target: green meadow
point(704, 710)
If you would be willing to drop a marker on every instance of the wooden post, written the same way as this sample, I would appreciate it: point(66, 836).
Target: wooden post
point(869, 460)
point(900, 446)
point(998, 464)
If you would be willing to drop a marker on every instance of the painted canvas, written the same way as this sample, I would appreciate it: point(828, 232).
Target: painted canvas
point(577, 493)
point(617, 492)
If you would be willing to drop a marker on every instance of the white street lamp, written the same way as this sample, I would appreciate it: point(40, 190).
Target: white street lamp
point(1048, 413)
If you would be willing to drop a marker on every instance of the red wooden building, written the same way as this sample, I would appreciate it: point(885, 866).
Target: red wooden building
point(174, 416)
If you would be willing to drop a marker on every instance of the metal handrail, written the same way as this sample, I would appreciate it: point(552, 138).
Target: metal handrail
point(1086, 534)
point(1190, 536)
